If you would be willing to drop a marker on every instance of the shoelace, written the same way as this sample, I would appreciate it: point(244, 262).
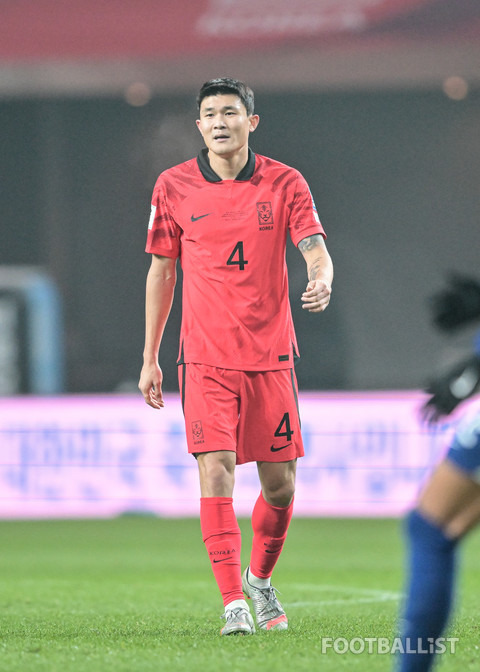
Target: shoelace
point(269, 598)
point(232, 613)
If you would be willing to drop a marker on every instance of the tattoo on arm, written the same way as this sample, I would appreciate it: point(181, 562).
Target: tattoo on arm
point(317, 258)
point(315, 267)
point(312, 249)
point(307, 244)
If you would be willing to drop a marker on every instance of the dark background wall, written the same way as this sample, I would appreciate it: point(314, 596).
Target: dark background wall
point(395, 176)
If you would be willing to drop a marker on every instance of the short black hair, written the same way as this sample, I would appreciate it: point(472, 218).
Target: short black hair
point(226, 85)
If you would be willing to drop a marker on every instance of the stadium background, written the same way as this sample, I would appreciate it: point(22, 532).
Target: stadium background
point(376, 103)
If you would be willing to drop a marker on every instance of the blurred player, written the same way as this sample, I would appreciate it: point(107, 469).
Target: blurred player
point(226, 215)
point(449, 505)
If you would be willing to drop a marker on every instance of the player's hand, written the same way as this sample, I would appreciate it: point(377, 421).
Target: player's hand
point(449, 390)
point(316, 297)
point(458, 304)
point(150, 385)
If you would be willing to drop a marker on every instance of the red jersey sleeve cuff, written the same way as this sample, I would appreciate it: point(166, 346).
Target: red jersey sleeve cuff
point(310, 231)
point(162, 252)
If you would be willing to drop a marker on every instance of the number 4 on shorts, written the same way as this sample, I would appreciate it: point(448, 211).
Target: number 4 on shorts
point(284, 424)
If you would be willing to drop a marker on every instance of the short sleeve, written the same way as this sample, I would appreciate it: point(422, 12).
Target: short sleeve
point(163, 237)
point(303, 220)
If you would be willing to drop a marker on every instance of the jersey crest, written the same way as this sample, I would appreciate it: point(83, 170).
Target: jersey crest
point(265, 216)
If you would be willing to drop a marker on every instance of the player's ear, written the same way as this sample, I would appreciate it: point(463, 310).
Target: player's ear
point(254, 121)
point(198, 122)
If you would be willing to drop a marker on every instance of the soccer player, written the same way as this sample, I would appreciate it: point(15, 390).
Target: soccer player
point(449, 505)
point(226, 215)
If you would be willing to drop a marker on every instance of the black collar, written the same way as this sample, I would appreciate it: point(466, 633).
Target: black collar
point(211, 176)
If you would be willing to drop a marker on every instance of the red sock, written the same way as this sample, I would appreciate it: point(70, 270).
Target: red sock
point(222, 538)
point(270, 526)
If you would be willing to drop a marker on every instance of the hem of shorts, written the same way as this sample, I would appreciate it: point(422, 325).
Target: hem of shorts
point(275, 460)
point(198, 450)
point(248, 460)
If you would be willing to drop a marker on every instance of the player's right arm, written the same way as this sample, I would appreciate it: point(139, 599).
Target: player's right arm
point(160, 288)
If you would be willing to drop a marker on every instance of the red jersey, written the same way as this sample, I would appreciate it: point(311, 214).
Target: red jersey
point(231, 238)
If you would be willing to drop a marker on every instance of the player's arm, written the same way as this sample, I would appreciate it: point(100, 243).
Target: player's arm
point(316, 297)
point(160, 288)
point(450, 389)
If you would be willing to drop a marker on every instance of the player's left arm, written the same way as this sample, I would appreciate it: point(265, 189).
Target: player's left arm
point(316, 297)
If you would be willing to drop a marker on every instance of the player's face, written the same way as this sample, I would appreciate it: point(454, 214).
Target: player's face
point(224, 124)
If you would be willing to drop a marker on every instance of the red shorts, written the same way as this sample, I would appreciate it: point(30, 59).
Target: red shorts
point(253, 413)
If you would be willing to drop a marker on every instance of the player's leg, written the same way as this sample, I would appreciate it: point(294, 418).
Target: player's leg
point(211, 416)
point(270, 521)
point(216, 472)
point(222, 537)
point(271, 515)
point(276, 465)
point(272, 426)
point(451, 500)
point(448, 507)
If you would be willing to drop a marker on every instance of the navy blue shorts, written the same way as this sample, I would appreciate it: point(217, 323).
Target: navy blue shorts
point(465, 448)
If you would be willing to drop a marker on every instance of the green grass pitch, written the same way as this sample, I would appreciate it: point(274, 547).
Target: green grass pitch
point(137, 595)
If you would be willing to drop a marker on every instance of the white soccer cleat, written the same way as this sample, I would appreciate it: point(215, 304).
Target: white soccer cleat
point(239, 621)
point(269, 612)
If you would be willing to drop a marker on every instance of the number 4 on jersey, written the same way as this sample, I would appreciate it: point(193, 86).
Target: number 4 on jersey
point(237, 258)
